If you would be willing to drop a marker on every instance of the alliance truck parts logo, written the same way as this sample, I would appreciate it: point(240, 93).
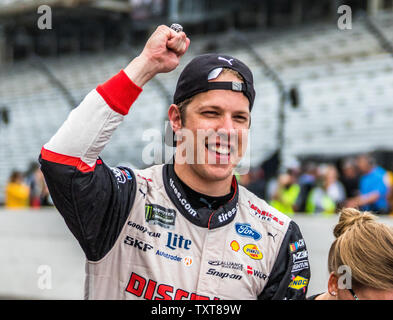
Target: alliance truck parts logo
point(164, 217)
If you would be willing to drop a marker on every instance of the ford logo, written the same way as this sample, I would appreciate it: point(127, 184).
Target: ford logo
point(245, 230)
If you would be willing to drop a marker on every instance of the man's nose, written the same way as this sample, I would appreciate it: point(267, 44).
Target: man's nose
point(226, 124)
point(226, 130)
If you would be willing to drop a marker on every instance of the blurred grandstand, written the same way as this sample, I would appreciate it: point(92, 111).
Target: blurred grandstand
point(322, 92)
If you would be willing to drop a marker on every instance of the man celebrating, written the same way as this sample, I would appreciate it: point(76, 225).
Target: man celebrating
point(176, 231)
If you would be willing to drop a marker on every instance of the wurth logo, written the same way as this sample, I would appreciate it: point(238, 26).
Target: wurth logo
point(249, 270)
point(252, 272)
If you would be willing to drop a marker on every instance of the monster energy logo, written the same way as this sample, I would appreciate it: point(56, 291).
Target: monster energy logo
point(155, 214)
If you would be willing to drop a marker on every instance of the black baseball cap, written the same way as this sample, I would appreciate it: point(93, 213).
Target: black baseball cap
point(194, 78)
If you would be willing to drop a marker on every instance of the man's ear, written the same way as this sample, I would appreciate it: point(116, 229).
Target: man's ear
point(333, 284)
point(174, 117)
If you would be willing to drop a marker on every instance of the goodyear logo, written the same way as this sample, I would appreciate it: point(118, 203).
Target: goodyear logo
point(298, 283)
point(252, 251)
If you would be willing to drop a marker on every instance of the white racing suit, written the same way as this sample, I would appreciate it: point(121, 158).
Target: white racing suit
point(141, 237)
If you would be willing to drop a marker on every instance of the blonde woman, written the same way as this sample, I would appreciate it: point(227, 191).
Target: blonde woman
point(360, 260)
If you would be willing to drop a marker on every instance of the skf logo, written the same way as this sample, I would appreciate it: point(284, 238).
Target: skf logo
point(137, 243)
point(235, 246)
point(252, 251)
point(298, 283)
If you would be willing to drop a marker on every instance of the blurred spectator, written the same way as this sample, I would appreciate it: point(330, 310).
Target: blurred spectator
point(389, 175)
point(373, 187)
point(286, 193)
point(254, 181)
point(350, 178)
point(307, 181)
point(328, 194)
point(16, 192)
point(39, 193)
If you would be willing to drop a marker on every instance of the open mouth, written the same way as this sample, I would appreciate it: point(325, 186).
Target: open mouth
point(219, 149)
point(219, 153)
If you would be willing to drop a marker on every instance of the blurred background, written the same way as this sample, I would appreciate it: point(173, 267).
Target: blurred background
point(321, 125)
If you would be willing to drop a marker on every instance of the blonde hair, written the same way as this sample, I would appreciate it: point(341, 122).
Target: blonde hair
point(364, 245)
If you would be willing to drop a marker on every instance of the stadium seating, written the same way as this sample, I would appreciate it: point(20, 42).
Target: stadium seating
point(344, 79)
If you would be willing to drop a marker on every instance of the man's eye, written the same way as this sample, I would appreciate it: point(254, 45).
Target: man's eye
point(210, 113)
point(241, 118)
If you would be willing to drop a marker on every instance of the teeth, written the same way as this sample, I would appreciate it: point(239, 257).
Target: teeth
point(220, 149)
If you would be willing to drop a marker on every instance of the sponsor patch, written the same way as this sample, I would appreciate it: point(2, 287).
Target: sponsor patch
point(298, 283)
point(252, 272)
point(187, 261)
point(227, 215)
point(223, 275)
point(301, 255)
point(183, 201)
point(299, 266)
point(235, 246)
point(177, 241)
point(168, 256)
point(296, 245)
point(139, 244)
point(245, 230)
point(226, 264)
point(119, 175)
point(252, 251)
point(155, 214)
point(144, 229)
point(264, 215)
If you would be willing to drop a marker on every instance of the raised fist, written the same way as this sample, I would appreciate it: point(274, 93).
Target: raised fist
point(161, 54)
point(165, 47)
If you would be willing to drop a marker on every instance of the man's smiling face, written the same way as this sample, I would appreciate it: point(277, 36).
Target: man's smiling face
point(215, 127)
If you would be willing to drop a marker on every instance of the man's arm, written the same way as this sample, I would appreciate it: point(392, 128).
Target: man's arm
point(94, 199)
point(290, 275)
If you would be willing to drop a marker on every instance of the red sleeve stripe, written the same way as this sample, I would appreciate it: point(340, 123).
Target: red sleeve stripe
point(119, 92)
point(66, 160)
